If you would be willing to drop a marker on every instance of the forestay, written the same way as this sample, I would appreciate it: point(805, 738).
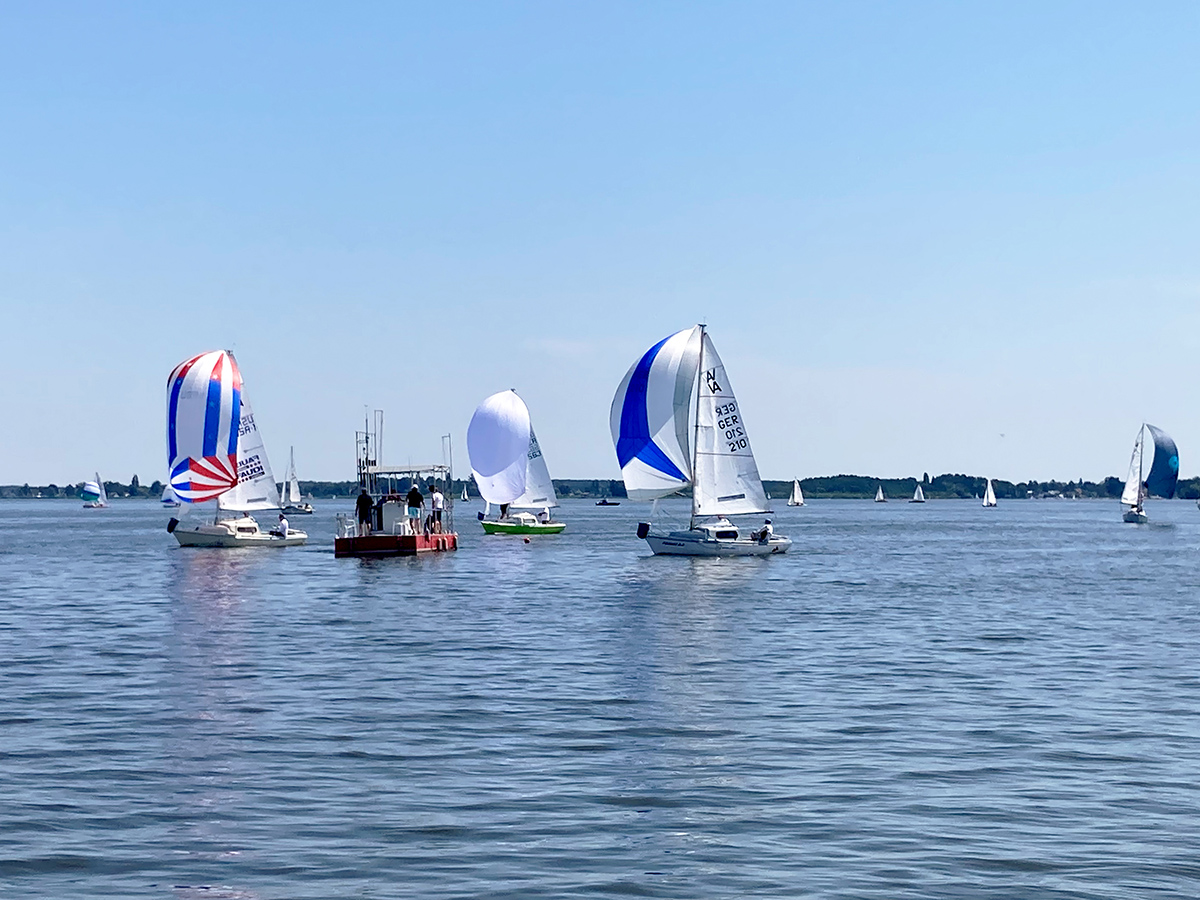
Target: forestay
point(256, 488)
point(498, 445)
point(651, 417)
point(726, 480)
point(203, 411)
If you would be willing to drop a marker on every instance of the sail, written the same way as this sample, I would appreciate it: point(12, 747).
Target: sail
point(919, 495)
point(168, 496)
point(1132, 495)
point(539, 489)
point(91, 491)
point(255, 489)
point(464, 494)
point(726, 480)
point(104, 493)
point(797, 498)
point(989, 494)
point(291, 487)
point(1164, 471)
point(651, 417)
point(879, 498)
point(499, 440)
point(204, 396)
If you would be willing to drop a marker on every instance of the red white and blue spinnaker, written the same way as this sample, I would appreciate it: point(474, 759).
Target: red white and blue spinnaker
point(204, 411)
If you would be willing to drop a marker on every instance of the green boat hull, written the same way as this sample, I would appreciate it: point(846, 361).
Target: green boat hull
point(521, 527)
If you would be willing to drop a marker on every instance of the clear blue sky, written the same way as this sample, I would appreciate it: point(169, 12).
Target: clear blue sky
point(911, 227)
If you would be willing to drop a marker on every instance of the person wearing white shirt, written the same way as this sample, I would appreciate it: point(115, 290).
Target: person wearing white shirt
point(282, 529)
point(437, 502)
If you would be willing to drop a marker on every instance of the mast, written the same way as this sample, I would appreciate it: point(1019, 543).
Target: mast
point(1141, 456)
point(696, 430)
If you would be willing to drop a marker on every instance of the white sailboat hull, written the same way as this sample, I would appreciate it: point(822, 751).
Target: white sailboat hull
point(241, 532)
point(697, 543)
point(301, 509)
point(1135, 517)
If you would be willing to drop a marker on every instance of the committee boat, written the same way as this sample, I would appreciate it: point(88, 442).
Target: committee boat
point(388, 529)
point(1157, 480)
point(676, 424)
point(510, 469)
point(215, 452)
point(294, 503)
point(93, 494)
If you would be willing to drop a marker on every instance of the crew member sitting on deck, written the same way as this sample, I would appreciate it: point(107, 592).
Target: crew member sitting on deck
point(436, 503)
point(414, 501)
point(282, 529)
point(363, 506)
point(763, 535)
point(544, 515)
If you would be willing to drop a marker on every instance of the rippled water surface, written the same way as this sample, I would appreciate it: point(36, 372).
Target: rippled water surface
point(938, 701)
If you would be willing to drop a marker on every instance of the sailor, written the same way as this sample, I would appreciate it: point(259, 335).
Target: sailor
point(763, 535)
point(436, 503)
point(282, 529)
point(363, 506)
point(544, 515)
point(414, 501)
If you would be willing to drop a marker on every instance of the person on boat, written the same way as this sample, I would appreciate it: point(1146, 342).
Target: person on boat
point(282, 529)
point(763, 535)
point(363, 506)
point(414, 501)
point(437, 503)
point(544, 515)
point(504, 510)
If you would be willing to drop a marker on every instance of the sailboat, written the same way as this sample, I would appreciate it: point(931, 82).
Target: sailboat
point(169, 500)
point(464, 493)
point(879, 498)
point(675, 422)
point(989, 495)
point(509, 468)
point(797, 498)
point(1161, 479)
point(918, 495)
point(94, 495)
point(215, 452)
point(294, 502)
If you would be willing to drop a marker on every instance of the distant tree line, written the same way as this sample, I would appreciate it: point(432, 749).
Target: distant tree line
point(940, 487)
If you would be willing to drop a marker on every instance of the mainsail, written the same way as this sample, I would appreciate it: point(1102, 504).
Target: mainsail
point(204, 401)
point(255, 487)
point(506, 459)
point(1132, 493)
point(989, 494)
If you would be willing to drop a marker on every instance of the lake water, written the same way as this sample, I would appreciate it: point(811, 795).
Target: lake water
point(917, 701)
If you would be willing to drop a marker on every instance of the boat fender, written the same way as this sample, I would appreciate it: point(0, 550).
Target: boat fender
point(171, 525)
point(643, 529)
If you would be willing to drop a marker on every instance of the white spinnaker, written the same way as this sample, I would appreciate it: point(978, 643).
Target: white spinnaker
point(498, 444)
point(256, 488)
point(539, 489)
point(292, 486)
point(663, 403)
point(1133, 481)
point(726, 480)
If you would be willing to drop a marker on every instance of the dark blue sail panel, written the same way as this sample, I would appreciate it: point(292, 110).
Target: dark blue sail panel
point(635, 440)
point(1164, 473)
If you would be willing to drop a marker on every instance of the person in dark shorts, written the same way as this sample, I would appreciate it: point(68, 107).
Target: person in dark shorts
point(414, 501)
point(363, 506)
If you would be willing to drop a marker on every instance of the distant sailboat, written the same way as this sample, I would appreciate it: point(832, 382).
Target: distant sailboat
point(94, 496)
point(918, 495)
point(169, 500)
point(879, 498)
point(464, 493)
point(989, 495)
point(293, 501)
point(797, 498)
point(1162, 477)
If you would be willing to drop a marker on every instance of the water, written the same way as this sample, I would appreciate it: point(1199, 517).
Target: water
point(938, 701)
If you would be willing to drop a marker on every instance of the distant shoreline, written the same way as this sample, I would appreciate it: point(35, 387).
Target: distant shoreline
point(830, 487)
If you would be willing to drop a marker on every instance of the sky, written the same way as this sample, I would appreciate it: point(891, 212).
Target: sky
point(925, 237)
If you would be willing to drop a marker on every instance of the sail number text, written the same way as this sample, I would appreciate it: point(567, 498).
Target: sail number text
point(728, 422)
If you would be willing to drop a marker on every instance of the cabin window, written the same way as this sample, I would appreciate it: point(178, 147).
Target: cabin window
point(727, 535)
